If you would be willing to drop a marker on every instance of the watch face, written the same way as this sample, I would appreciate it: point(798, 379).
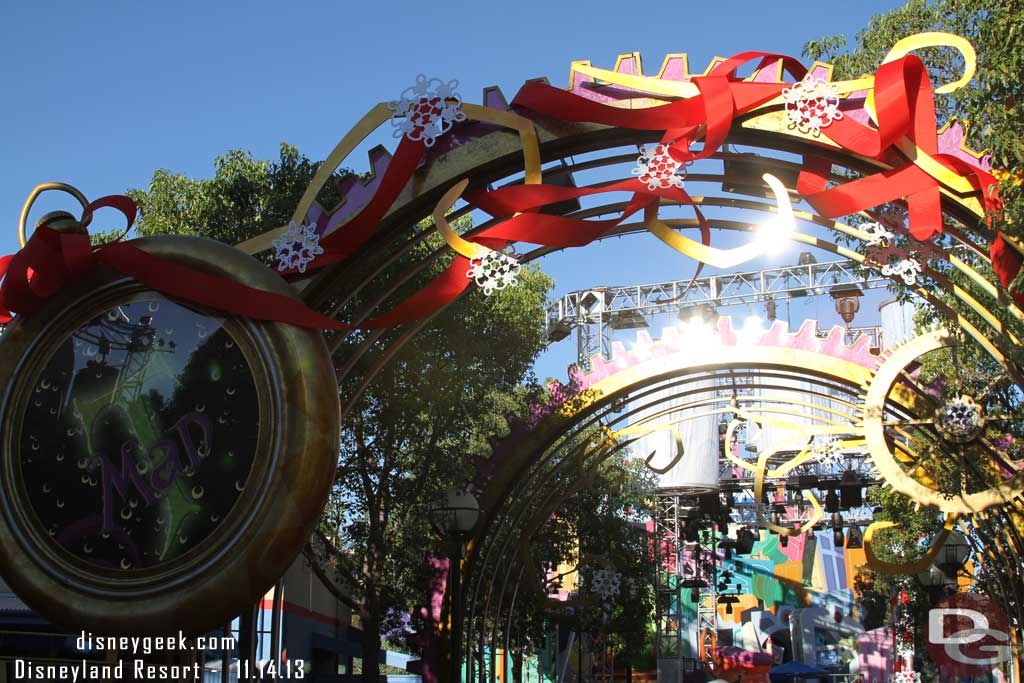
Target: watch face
point(162, 464)
point(138, 436)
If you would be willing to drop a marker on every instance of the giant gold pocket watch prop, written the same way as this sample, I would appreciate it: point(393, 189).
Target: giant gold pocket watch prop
point(163, 464)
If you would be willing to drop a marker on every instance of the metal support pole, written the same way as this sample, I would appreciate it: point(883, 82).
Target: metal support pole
point(579, 651)
point(275, 625)
point(225, 655)
point(247, 636)
point(455, 575)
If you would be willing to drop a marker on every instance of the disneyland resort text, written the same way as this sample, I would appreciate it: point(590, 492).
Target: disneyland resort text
point(92, 671)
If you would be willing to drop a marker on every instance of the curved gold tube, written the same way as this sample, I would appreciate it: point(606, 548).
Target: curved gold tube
point(38, 190)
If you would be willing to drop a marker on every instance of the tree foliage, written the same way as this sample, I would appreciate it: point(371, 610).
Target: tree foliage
point(992, 106)
point(421, 421)
point(596, 524)
point(418, 428)
point(244, 198)
point(992, 109)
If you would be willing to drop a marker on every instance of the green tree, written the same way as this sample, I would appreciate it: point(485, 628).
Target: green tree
point(992, 106)
point(596, 526)
point(422, 420)
point(609, 520)
point(991, 109)
point(418, 428)
point(244, 198)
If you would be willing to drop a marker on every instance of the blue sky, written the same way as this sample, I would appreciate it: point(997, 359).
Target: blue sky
point(101, 94)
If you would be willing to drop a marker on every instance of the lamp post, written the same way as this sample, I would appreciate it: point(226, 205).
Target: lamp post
point(933, 580)
point(942, 574)
point(454, 519)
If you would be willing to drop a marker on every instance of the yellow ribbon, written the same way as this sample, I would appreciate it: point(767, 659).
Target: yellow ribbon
point(371, 121)
point(687, 89)
point(816, 511)
point(909, 568)
point(643, 430)
point(461, 246)
point(782, 226)
point(903, 47)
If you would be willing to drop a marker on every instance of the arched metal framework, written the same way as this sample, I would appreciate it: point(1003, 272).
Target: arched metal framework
point(353, 291)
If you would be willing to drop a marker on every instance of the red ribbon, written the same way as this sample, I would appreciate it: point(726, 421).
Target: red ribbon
point(905, 107)
point(721, 99)
point(51, 260)
point(344, 242)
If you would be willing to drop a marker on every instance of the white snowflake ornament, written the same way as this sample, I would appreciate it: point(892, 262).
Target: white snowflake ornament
point(830, 451)
point(605, 582)
point(297, 247)
point(493, 271)
point(427, 110)
point(904, 649)
point(812, 104)
point(906, 677)
point(879, 235)
point(658, 169)
point(907, 268)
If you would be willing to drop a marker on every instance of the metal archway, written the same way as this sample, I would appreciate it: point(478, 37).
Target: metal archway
point(500, 142)
point(521, 496)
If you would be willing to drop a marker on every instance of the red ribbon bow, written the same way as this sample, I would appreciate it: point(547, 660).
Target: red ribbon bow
point(52, 259)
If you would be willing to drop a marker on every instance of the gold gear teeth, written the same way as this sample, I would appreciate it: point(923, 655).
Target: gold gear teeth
point(883, 382)
point(675, 67)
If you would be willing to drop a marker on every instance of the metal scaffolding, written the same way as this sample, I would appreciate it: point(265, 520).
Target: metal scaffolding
point(598, 312)
point(670, 620)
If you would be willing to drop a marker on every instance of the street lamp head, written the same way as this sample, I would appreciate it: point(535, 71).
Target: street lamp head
point(456, 515)
point(954, 554)
point(932, 577)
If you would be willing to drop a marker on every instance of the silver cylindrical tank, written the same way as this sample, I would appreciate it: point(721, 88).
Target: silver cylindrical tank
point(698, 468)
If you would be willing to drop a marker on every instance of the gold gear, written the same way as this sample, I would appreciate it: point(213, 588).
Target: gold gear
point(885, 386)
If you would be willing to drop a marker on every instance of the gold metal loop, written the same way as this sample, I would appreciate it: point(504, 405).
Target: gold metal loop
point(38, 190)
point(938, 39)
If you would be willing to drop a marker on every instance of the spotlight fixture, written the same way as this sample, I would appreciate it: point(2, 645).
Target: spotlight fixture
point(593, 301)
point(557, 330)
point(851, 493)
point(701, 314)
point(837, 529)
point(745, 542)
point(831, 502)
point(627, 320)
point(855, 538)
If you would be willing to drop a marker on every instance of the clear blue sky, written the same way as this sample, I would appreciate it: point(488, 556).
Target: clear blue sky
point(101, 94)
